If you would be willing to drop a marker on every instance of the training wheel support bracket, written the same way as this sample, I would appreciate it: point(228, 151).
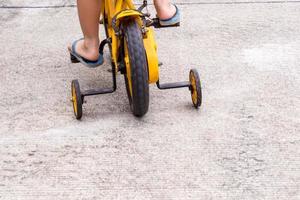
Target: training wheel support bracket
point(175, 85)
point(194, 85)
point(94, 92)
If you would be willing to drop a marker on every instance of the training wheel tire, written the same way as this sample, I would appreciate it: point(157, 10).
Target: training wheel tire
point(76, 99)
point(195, 88)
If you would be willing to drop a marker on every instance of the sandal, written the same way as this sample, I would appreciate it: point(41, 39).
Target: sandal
point(86, 62)
point(175, 20)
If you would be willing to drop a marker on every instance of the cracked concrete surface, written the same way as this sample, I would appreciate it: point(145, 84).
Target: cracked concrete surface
point(243, 143)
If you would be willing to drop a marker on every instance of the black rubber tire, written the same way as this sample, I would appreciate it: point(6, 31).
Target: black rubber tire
point(139, 100)
point(196, 88)
point(75, 87)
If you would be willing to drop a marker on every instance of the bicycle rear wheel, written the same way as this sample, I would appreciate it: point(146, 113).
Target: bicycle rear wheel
point(136, 75)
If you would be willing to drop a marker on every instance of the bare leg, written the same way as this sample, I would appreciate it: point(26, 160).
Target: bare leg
point(89, 14)
point(164, 9)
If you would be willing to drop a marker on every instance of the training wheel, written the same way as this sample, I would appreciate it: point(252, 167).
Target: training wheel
point(195, 88)
point(76, 99)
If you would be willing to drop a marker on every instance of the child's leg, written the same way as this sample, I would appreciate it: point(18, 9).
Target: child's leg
point(89, 13)
point(164, 9)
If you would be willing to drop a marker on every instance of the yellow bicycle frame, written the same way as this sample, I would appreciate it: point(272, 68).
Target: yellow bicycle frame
point(119, 9)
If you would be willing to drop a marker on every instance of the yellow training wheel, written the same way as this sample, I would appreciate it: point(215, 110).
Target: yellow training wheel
point(76, 99)
point(196, 91)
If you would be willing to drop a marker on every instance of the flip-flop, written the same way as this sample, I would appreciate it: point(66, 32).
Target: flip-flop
point(171, 21)
point(86, 62)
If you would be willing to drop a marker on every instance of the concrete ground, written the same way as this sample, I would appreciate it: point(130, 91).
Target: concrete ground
point(242, 144)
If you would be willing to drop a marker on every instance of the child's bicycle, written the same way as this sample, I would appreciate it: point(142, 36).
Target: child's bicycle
point(133, 53)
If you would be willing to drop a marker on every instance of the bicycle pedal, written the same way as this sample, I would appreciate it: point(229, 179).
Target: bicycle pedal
point(156, 24)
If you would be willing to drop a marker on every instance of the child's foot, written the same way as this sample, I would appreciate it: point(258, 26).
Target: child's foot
point(86, 53)
point(85, 49)
point(170, 17)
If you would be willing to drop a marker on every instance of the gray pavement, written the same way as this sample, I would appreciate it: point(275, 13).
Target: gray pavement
point(242, 144)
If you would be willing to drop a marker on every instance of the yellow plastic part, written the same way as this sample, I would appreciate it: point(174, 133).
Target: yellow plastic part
point(127, 13)
point(194, 89)
point(152, 58)
point(74, 99)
